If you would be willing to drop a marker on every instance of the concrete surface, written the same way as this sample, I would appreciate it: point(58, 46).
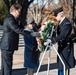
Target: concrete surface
point(18, 60)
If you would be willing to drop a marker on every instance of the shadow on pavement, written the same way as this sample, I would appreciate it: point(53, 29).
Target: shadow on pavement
point(22, 71)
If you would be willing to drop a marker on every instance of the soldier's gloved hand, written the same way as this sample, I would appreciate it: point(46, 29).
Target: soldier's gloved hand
point(47, 42)
point(35, 34)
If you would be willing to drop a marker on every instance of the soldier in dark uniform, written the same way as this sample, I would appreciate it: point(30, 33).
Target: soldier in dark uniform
point(65, 44)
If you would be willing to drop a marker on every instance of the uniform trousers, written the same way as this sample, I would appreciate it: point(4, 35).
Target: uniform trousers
point(61, 72)
point(6, 62)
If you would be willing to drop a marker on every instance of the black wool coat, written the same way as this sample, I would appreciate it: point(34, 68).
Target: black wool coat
point(65, 44)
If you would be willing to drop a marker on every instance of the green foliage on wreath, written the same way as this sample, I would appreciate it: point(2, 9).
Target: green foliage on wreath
point(46, 32)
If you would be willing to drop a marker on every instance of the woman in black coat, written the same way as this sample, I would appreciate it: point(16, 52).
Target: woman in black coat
point(31, 52)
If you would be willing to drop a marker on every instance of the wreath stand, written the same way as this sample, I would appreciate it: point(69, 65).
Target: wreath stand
point(50, 46)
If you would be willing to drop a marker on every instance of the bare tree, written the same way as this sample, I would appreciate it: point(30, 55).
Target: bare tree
point(24, 3)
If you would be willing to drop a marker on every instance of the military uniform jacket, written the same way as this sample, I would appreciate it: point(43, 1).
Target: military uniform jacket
point(11, 33)
point(65, 44)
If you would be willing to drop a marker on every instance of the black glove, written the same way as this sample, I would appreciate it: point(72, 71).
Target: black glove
point(35, 34)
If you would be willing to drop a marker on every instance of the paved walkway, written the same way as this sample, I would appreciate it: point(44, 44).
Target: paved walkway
point(18, 63)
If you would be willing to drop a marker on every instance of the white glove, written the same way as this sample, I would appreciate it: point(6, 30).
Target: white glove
point(47, 42)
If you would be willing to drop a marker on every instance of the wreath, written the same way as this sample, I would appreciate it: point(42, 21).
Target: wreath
point(45, 31)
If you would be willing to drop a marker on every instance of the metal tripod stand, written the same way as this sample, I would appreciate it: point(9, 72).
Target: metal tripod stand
point(50, 46)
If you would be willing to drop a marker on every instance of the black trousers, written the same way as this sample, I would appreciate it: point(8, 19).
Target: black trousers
point(6, 62)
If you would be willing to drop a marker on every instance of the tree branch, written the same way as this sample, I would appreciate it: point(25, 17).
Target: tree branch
point(12, 2)
point(30, 2)
point(21, 2)
point(7, 4)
